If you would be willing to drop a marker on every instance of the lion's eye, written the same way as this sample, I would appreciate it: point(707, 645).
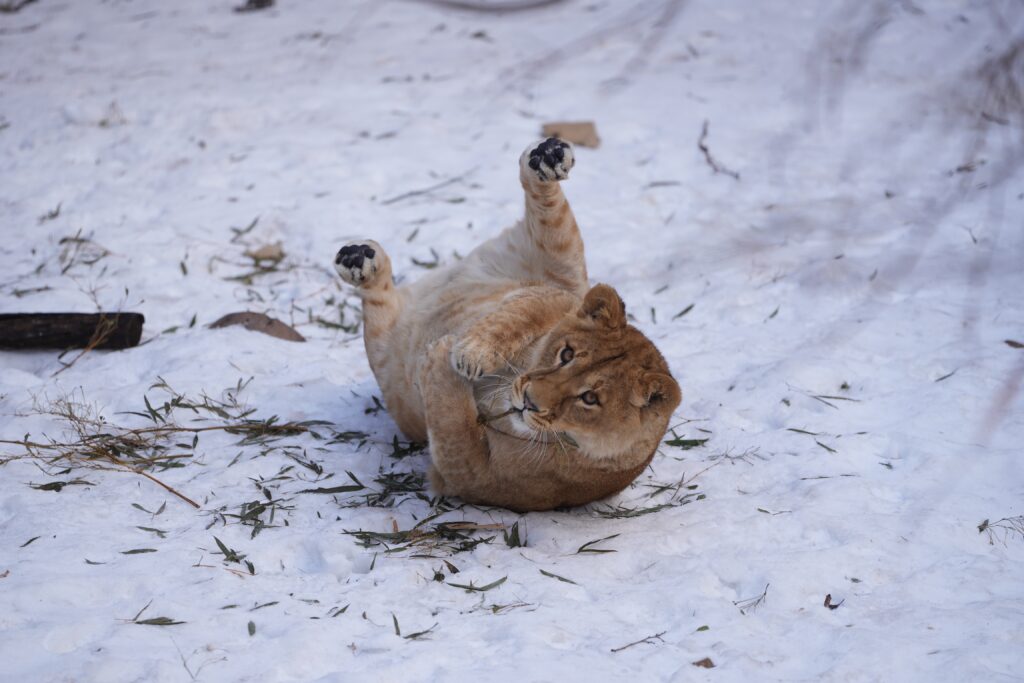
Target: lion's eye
point(566, 355)
point(589, 397)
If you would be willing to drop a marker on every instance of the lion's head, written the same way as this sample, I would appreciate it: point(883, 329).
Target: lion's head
point(599, 381)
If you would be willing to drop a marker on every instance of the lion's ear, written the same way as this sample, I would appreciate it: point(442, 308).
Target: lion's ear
point(657, 391)
point(603, 305)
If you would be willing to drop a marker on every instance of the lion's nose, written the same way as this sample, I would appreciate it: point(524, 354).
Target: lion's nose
point(528, 404)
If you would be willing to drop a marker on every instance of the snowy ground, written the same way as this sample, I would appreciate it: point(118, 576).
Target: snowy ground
point(848, 299)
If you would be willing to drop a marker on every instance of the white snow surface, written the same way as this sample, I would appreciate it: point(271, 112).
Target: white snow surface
point(858, 281)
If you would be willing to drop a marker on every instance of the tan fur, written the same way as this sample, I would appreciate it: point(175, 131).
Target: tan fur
point(470, 358)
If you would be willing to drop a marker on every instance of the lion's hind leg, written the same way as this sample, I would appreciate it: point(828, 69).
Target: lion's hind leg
point(458, 445)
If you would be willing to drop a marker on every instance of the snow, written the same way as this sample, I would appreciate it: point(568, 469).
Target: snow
point(871, 250)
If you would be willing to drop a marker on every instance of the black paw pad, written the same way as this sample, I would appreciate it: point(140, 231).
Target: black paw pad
point(353, 255)
point(551, 152)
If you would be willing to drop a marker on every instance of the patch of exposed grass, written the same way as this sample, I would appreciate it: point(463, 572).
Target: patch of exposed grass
point(93, 442)
point(428, 540)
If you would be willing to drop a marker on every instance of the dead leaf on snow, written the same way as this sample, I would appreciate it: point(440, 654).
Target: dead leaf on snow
point(833, 605)
point(582, 133)
point(259, 322)
point(268, 252)
point(706, 663)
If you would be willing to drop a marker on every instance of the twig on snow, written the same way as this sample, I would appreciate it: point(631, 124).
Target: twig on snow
point(752, 604)
point(648, 639)
point(715, 166)
point(426, 190)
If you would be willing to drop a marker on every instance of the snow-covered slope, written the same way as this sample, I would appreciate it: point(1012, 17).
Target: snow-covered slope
point(836, 301)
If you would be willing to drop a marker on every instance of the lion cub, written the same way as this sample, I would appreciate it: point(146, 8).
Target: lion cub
point(529, 384)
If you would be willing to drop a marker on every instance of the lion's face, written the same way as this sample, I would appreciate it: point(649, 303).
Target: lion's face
point(597, 380)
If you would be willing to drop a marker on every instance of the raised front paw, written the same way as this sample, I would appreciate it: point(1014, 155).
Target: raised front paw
point(549, 161)
point(357, 263)
point(473, 358)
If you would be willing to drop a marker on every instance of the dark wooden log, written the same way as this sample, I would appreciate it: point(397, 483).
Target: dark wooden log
point(70, 330)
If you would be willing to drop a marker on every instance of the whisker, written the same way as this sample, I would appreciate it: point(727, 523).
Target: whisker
point(511, 367)
point(491, 396)
point(560, 444)
point(538, 451)
point(494, 392)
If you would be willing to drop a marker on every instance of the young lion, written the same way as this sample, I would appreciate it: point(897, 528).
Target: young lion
point(530, 386)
